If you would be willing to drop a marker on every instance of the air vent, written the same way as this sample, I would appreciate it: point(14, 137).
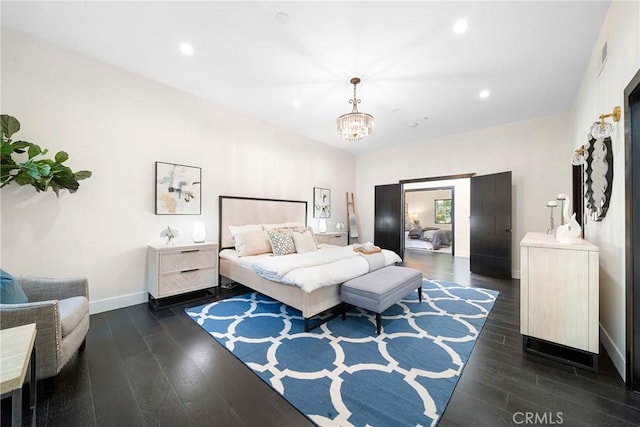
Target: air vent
point(603, 57)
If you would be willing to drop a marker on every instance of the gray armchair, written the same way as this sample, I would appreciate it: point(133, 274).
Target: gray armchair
point(60, 310)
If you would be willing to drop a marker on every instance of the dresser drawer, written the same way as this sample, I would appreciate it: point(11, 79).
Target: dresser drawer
point(177, 283)
point(187, 260)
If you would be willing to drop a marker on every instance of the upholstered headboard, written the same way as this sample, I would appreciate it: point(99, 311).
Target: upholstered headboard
point(247, 210)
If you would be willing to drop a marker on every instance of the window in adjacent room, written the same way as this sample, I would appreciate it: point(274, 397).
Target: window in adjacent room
point(443, 211)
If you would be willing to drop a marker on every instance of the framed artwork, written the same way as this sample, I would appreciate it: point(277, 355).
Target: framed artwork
point(321, 202)
point(442, 211)
point(178, 189)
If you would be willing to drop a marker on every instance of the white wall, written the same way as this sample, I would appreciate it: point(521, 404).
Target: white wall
point(462, 197)
point(537, 151)
point(598, 95)
point(118, 125)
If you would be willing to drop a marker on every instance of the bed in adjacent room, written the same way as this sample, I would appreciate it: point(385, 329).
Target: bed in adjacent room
point(429, 238)
point(266, 246)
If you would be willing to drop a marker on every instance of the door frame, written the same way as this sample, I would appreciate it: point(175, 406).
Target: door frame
point(632, 239)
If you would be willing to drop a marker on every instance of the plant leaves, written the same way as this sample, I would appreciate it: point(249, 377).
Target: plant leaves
point(34, 150)
point(82, 175)
point(10, 125)
point(61, 157)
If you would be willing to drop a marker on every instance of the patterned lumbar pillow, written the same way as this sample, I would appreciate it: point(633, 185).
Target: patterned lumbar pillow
point(10, 292)
point(281, 242)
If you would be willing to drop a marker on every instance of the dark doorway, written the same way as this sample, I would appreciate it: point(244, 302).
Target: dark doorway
point(387, 231)
point(578, 195)
point(632, 220)
point(490, 238)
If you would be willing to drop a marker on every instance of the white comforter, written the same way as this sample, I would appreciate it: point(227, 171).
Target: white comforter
point(313, 270)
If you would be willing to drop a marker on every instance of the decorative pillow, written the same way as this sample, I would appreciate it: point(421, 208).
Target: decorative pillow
point(281, 242)
point(241, 229)
point(304, 241)
point(10, 292)
point(252, 243)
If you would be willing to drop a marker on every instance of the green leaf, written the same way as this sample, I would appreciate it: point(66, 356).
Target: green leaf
point(82, 175)
point(20, 145)
point(31, 169)
point(5, 149)
point(34, 150)
point(24, 178)
point(44, 169)
point(10, 125)
point(61, 157)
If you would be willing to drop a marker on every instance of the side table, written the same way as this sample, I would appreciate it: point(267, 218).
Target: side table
point(17, 357)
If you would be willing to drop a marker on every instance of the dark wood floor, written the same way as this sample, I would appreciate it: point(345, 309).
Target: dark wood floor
point(158, 368)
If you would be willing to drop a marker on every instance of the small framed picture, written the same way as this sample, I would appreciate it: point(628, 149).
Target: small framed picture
point(442, 211)
point(321, 202)
point(178, 189)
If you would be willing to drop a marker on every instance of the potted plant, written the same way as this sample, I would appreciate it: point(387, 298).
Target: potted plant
point(33, 168)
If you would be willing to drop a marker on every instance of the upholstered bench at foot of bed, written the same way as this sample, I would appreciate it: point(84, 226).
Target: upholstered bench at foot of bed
point(380, 289)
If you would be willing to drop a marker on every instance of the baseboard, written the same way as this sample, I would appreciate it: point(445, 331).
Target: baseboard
point(114, 303)
point(616, 356)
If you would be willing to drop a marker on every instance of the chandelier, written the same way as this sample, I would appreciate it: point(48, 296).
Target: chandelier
point(354, 126)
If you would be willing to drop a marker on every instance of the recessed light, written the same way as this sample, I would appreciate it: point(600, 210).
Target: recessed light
point(484, 94)
point(413, 124)
point(186, 49)
point(460, 26)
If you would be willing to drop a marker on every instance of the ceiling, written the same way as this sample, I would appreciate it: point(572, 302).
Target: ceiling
point(290, 63)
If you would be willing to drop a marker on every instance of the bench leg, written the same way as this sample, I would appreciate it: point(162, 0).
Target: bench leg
point(378, 323)
point(420, 294)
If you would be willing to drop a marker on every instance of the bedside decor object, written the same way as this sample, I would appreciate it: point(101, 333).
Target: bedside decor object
point(178, 189)
point(199, 232)
point(321, 203)
point(322, 225)
point(355, 125)
point(39, 172)
point(339, 226)
point(169, 234)
point(551, 204)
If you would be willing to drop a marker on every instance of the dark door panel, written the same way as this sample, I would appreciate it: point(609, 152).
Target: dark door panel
point(388, 217)
point(490, 243)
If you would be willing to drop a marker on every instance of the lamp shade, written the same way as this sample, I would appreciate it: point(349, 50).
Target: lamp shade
point(199, 232)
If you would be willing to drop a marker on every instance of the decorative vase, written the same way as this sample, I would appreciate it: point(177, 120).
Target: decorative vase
point(199, 232)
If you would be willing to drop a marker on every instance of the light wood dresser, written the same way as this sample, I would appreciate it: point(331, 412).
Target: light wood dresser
point(179, 269)
point(559, 299)
point(338, 238)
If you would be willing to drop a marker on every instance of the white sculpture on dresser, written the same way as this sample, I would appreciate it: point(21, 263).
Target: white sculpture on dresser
point(570, 231)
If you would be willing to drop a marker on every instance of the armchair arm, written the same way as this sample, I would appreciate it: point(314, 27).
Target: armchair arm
point(45, 315)
point(45, 289)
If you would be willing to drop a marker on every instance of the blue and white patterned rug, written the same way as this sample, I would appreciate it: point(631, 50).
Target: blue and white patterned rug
point(341, 373)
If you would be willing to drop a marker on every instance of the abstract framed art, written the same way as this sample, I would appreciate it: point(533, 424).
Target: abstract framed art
point(321, 202)
point(178, 189)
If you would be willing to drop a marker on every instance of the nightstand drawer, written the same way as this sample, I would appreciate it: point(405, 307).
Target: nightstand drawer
point(187, 259)
point(338, 239)
point(176, 283)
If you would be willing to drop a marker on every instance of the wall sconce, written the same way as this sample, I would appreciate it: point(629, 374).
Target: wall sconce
point(580, 156)
point(603, 129)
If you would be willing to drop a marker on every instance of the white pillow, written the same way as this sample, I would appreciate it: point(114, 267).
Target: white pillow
point(252, 243)
point(304, 241)
point(240, 229)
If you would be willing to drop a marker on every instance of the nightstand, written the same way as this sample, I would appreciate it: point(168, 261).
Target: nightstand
point(180, 269)
point(338, 238)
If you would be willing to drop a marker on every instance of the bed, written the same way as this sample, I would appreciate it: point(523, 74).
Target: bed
point(237, 212)
point(437, 237)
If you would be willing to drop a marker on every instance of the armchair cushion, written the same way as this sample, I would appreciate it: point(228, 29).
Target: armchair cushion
point(10, 292)
point(72, 311)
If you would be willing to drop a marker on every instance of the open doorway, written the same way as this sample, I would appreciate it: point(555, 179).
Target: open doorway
point(429, 220)
point(459, 188)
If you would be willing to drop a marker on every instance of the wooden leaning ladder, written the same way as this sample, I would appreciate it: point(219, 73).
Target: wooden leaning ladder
point(352, 225)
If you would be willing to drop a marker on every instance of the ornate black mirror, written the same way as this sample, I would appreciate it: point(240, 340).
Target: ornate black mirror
point(598, 177)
